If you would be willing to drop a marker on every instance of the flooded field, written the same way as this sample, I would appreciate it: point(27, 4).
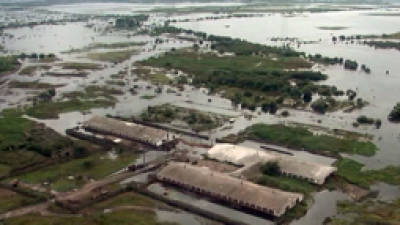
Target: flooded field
point(124, 93)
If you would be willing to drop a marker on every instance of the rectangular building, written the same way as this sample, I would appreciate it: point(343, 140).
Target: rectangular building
point(234, 191)
point(131, 131)
point(289, 165)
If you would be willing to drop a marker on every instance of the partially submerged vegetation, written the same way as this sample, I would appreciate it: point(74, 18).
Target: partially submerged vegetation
point(364, 120)
point(113, 57)
point(10, 200)
point(119, 216)
point(394, 115)
point(51, 110)
point(303, 139)
point(352, 172)
point(107, 46)
point(332, 28)
point(155, 77)
point(80, 66)
point(32, 85)
point(8, 64)
point(90, 97)
point(30, 70)
point(384, 44)
point(269, 83)
point(25, 143)
point(75, 173)
point(367, 212)
point(196, 120)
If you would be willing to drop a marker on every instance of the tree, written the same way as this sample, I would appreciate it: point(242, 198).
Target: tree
point(237, 98)
point(320, 106)
point(271, 168)
point(350, 64)
point(351, 94)
point(52, 92)
point(307, 97)
point(34, 56)
point(394, 115)
point(273, 107)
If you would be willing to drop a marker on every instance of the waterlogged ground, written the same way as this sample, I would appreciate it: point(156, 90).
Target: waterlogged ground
point(379, 89)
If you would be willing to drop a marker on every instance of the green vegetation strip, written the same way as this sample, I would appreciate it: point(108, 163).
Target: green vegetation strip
point(24, 142)
point(248, 79)
point(113, 57)
point(106, 46)
point(352, 172)
point(30, 70)
point(8, 64)
point(49, 110)
point(92, 167)
point(80, 66)
point(302, 138)
point(367, 213)
point(10, 200)
point(91, 97)
point(197, 120)
point(120, 217)
point(32, 85)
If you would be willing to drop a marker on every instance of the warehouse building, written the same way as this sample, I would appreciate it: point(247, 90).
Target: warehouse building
point(228, 189)
point(289, 165)
point(131, 131)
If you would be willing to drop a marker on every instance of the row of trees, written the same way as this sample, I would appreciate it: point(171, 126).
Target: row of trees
point(36, 56)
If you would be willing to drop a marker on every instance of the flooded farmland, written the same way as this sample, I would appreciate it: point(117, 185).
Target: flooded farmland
point(131, 62)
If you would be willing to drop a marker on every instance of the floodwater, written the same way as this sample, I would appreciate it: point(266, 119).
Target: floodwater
point(58, 38)
point(325, 208)
point(379, 89)
point(209, 206)
point(128, 8)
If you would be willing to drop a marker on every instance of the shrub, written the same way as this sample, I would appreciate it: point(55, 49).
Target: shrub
point(270, 168)
point(395, 113)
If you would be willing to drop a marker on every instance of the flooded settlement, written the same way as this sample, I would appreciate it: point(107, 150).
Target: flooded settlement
point(242, 113)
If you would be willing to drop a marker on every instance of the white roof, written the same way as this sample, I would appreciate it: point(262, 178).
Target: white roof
point(244, 156)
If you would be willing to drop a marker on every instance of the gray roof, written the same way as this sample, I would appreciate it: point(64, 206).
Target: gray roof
point(131, 131)
point(263, 198)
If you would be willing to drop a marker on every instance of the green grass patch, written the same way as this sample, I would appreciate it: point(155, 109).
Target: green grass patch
point(332, 28)
point(287, 184)
point(94, 92)
point(125, 199)
point(122, 217)
point(154, 77)
point(384, 44)
point(116, 82)
point(96, 166)
point(91, 97)
point(352, 172)
point(195, 119)
point(302, 138)
point(30, 70)
point(10, 200)
point(147, 97)
point(80, 66)
point(8, 64)
point(50, 110)
point(113, 57)
point(367, 212)
point(24, 142)
point(32, 85)
point(106, 46)
point(258, 79)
